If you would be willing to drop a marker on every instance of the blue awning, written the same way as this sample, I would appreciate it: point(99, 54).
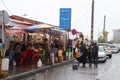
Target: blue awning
point(31, 27)
point(39, 26)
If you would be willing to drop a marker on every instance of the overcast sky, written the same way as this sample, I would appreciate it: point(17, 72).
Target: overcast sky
point(48, 11)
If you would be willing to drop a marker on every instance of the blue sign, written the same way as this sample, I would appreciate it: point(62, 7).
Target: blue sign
point(65, 18)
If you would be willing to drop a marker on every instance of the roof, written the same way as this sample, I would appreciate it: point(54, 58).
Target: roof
point(23, 20)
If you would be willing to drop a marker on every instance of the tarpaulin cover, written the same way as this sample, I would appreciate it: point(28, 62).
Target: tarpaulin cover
point(15, 30)
point(10, 31)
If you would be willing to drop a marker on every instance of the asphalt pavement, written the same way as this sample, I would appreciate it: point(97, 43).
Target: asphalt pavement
point(111, 69)
point(65, 72)
point(16, 73)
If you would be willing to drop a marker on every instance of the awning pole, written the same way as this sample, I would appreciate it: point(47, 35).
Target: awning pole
point(3, 41)
point(3, 33)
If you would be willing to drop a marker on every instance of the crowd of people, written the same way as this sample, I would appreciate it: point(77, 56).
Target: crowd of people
point(51, 52)
point(23, 53)
point(85, 53)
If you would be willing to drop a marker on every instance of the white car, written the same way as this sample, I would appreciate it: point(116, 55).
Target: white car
point(118, 46)
point(107, 49)
point(102, 57)
point(114, 48)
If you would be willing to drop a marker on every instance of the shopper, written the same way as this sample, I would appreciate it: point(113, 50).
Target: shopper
point(95, 54)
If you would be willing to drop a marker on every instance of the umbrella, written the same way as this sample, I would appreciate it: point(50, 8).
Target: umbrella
point(39, 26)
point(45, 26)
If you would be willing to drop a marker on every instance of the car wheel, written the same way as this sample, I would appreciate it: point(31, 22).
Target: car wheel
point(104, 61)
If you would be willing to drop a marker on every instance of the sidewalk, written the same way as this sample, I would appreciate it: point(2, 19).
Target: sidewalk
point(17, 73)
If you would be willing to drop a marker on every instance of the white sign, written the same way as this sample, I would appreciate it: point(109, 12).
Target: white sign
point(4, 17)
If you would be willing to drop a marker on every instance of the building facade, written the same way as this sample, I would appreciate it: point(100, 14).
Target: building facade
point(116, 35)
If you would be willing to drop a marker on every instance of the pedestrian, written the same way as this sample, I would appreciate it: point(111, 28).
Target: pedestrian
point(74, 46)
point(60, 55)
point(10, 54)
point(54, 49)
point(47, 52)
point(18, 54)
point(78, 55)
point(78, 44)
point(90, 55)
point(52, 56)
point(95, 54)
point(84, 53)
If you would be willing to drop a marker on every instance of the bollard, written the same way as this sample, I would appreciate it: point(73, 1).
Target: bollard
point(4, 67)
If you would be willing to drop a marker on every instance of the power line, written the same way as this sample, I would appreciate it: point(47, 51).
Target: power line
point(6, 7)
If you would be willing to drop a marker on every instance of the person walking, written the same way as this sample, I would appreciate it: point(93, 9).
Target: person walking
point(84, 52)
point(90, 55)
point(78, 55)
point(52, 56)
point(95, 54)
point(10, 54)
point(74, 45)
point(60, 55)
point(47, 52)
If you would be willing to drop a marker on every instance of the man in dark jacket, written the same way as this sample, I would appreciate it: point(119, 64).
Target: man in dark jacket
point(95, 54)
point(90, 55)
point(84, 53)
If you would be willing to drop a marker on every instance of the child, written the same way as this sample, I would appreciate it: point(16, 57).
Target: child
point(78, 55)
point(52, 56)
point(60, 55)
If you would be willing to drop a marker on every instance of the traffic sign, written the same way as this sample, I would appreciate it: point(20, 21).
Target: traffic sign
point(74, 31)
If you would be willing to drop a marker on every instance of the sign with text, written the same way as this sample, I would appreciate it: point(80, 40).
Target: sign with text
point(65, 18)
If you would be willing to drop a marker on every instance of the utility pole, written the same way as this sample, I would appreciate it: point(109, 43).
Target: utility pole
point(104, 27)
point(92, 21)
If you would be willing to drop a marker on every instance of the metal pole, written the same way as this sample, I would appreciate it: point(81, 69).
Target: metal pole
point(92, 21)
point(104, 27)
point(3, 41)
point(68, 44)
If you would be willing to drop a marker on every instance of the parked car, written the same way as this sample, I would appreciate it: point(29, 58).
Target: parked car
point(114, 48)
point(107, 49)
point(118, 46)
point(102, 57)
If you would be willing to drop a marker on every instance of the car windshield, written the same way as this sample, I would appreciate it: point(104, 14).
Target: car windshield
point(101, 49)
point(112, 46)
point(105, 45)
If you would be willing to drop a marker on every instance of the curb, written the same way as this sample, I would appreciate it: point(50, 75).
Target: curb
point(35, 71)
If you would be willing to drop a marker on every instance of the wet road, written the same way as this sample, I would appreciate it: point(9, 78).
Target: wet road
point(66, 73)
point(111, 69)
